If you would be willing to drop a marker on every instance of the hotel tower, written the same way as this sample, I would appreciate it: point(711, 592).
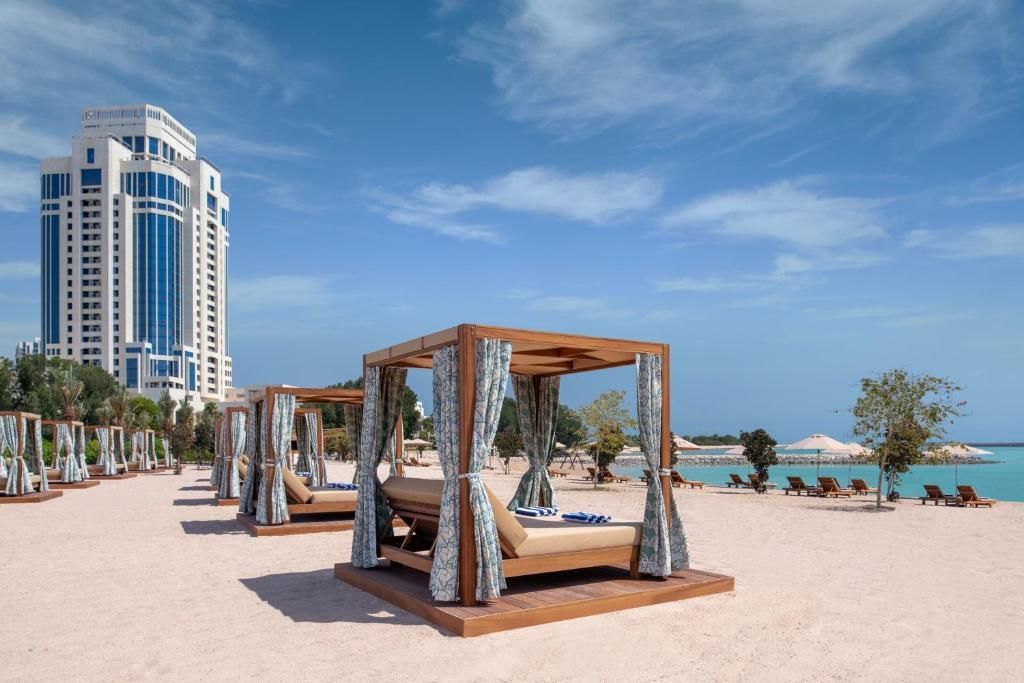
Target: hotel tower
point(134, 241)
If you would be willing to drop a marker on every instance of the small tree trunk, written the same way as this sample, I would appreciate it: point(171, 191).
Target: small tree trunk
point(881, 473)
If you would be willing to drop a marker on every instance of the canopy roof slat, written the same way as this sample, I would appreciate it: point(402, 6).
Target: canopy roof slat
point(314, 394)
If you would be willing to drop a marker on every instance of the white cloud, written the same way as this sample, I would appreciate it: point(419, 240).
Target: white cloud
point(585, 64)
point(280, 291)
point(712, 284)
point(992, 241)
point(789, 264)
point(19, 187)
point(1005, 185)
point(15, 270)
point(18, 139)
point(234, 145)
point(595, 198)
point(593, 308)
point(797, 212)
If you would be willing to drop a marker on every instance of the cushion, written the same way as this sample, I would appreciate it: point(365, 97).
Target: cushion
point(547, 536)
point(243, 467)
point(509, 527)
point(295, 488)
point(333, 496)
point(244, 458)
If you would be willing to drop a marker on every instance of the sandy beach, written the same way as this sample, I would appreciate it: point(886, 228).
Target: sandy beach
point(144, 579)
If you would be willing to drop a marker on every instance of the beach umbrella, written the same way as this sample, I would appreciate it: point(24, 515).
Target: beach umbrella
point(956, 451)
point(819, 443)
point(735, 450)
point(856, 449)
point(682, 444)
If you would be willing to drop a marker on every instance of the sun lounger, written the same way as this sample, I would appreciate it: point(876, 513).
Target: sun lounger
point(412, 460)
point(753, 482)
point(737, 481)
point(829, 488)
point(797, 485)
point(968, 496)
point(679, 480)
point(557, 473)
point(303, 500)
point(861, 487)
point(934, 494)
point(606, 473)
point(529, 545)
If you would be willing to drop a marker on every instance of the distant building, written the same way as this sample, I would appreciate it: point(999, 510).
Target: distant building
point(134, 229)
point(27, 348)
point(419, 409)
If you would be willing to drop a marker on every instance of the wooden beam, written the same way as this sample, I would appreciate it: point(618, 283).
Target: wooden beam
point(467, 398)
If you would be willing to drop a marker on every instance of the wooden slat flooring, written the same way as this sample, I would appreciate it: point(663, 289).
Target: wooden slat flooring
point(85, 484)
point(532, 600)
point(225, 502)
point(313, 526)
point(35, 497)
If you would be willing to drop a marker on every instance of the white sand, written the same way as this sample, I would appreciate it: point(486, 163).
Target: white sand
point(140, 579)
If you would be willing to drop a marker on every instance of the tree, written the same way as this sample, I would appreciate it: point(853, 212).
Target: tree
point(67, 389)
point(205, 430)
point(35, 394)
point(8, 385)
point(97, 386)
point(427, 429)
point(569, 429)
point(509, 419)
point(166, 405)
point(119, 406)
point(410, 417)
point(758, 448)
point(181, 432)
point(898, 412)
point(145, 413)
point(508, 442)
point(337, 441)
point(606, 419)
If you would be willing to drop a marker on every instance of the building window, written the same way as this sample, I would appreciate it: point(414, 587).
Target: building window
point(90, 156)
point(92, 177)
point(154, 146)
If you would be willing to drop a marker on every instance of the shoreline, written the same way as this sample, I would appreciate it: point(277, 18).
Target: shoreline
point(738, 460)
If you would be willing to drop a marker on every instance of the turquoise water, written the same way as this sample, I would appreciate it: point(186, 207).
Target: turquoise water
point(1003, 480)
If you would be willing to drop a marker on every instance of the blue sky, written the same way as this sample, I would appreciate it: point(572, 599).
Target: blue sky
point(794, 194)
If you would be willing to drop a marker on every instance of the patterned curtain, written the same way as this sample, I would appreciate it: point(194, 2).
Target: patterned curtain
point(18, 481)
point(256, 428)
point(272, 490)
point(218, 452)
point(166, 443)
point(318, 469)
point(151, 449)
point(538, 411)
point(64, 443)
point(382, 407)
point(136, 442)
point(353, 425)
point(444, 573)
point(80, 442)
point(119, 450)
point(8, 440)
point(229, 482)
point(34, 451)
point(663, 542)
point(106, 456)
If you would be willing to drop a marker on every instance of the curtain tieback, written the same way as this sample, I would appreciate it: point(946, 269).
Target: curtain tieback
point(470, 475)
point(664, 472)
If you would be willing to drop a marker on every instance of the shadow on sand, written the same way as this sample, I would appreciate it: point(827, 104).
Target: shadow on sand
point(193, 502)
point(317, 597)
point(212, 527)
point(868, 507)
point(195, 488)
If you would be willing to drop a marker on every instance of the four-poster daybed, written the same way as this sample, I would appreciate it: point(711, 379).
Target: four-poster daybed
point(457, 533)
point(21, 435)
point(69, 468)
point(111, 463)
point(271, 493)
point(142, 446)
point(229, 470)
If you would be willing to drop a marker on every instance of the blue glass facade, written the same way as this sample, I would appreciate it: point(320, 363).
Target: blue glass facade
point(50, 260)
point(92, 177)
point(132, 370)
point(54, 185)
point(156, 185)
point(157, 283)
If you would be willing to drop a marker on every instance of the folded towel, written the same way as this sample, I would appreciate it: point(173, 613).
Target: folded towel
point(586, 518)
point(536, 511)
point(344, 486)
point(303, 474)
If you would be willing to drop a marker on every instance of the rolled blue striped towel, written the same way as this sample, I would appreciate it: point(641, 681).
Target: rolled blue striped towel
point(303, 474)
point(536, 511)
point(341, 485)
point(586, 518)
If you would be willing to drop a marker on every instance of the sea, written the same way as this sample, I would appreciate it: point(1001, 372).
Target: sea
point(1002, 478)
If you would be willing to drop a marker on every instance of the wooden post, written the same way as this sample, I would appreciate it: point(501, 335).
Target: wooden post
point(536, 416)
point(399, 446)
point(666, 435)
point(269, 463)
point(467, 397)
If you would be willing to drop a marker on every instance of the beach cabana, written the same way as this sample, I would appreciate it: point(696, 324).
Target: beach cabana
point(217, 465)
point(22, 469)
point(309, 437)
point(470, 546)
point(69, 469)
point(143, 450)
point(272, 500)
point(227, 469)
point(111, 463)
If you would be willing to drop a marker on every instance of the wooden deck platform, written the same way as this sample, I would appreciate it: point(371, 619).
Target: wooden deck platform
point(532, 600)
point(35, 497)
point(111, 477)
point(84, 484)
point(313, 525)
point(225, 502)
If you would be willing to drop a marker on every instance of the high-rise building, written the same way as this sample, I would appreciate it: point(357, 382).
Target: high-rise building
point(27, 348)
point(134, 235)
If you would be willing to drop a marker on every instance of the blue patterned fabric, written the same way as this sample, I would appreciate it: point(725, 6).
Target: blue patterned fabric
point(219, 439)
point(151, 448)
point(83, 464)
point(34, 451)
point(307, 431)
point(341, 485)
point(492, 362)
point(106, 459)
point(8, 440)
point(19, 481)
point(64, 449)
point(168, 456)
point(354, 425)
point(119, 458)
point(444, 572)
point(256, 428)
point(663, 546)
point(537, 405)
point(230, 480)
point(536, 511)
point(586, 518)
point(383, 389)
point(272, 506)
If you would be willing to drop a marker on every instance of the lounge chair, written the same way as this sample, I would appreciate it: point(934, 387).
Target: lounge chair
point(303, 500)
point(679, 480)
point(861, 487)
point(797, 485)
point(606, 473)
point(412, 460)
point(737, 481)
point(529, 545)
point(754, 482)
point(933, 493)
point(557, 473)
point(646, 477)
point(829, 488)
point(968, 496)
point(604, 476)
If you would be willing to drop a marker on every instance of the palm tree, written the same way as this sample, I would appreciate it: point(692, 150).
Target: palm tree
point(167, 407)
point(68, 390)
point(120, 407)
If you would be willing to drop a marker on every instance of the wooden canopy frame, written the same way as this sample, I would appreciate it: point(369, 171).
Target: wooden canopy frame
point(55, 423)
point(95, 471)
point(538, 354)
point(34, 496)
point(224, 422)
point(130, 433)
